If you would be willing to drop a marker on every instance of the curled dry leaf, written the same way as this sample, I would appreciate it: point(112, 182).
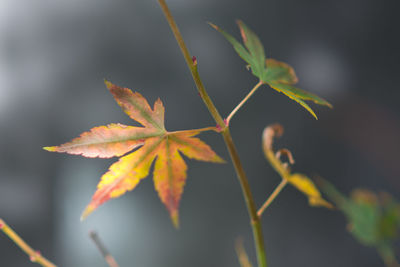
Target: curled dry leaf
point(153, 143)
point(287, 153)
point(298, 180)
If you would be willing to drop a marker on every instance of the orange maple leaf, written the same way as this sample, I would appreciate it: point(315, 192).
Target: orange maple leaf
point(155, 143)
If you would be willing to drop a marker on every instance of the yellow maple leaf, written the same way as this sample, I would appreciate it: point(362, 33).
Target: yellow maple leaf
point(300, 181)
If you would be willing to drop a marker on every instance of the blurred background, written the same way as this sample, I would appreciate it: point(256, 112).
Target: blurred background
point(54, 56)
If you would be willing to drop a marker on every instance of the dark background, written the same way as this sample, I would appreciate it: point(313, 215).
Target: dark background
point(54, 56)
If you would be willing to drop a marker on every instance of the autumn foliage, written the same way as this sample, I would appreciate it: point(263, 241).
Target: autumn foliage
point(298, 180)
point(153, 143)
point(374, 223)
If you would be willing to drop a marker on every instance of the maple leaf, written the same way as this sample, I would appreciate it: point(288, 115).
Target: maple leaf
point(374, 219)
point(278, 75)
point(298, 180)
point(156, 144)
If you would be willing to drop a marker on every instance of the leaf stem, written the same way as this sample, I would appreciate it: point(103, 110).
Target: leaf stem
point(272, 197)
point(103, 250)
point(228, 119)
point(211, 128)
point(34, 256)
point(250, 204)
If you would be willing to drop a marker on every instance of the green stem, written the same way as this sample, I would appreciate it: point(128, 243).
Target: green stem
point(248, 197)
point(192, 64)
point(228, 119)
point(250, 204)
point(272, 197)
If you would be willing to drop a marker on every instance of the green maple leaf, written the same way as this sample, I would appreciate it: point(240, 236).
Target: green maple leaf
point(374, 220)
point(278, 75)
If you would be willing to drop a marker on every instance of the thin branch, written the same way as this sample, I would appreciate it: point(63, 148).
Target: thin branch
point(272, 197)
point(250, 204)
point(241, 253)
point(249, 200)
point(228, 119)
point(192, 64)
point(103, 250)
point(34, 255)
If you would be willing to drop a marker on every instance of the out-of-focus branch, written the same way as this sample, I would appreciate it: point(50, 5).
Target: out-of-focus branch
point(241, 253)
point(103, 250)
point(34, 255)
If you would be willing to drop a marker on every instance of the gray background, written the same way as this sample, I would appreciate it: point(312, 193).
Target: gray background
point(54, 56)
